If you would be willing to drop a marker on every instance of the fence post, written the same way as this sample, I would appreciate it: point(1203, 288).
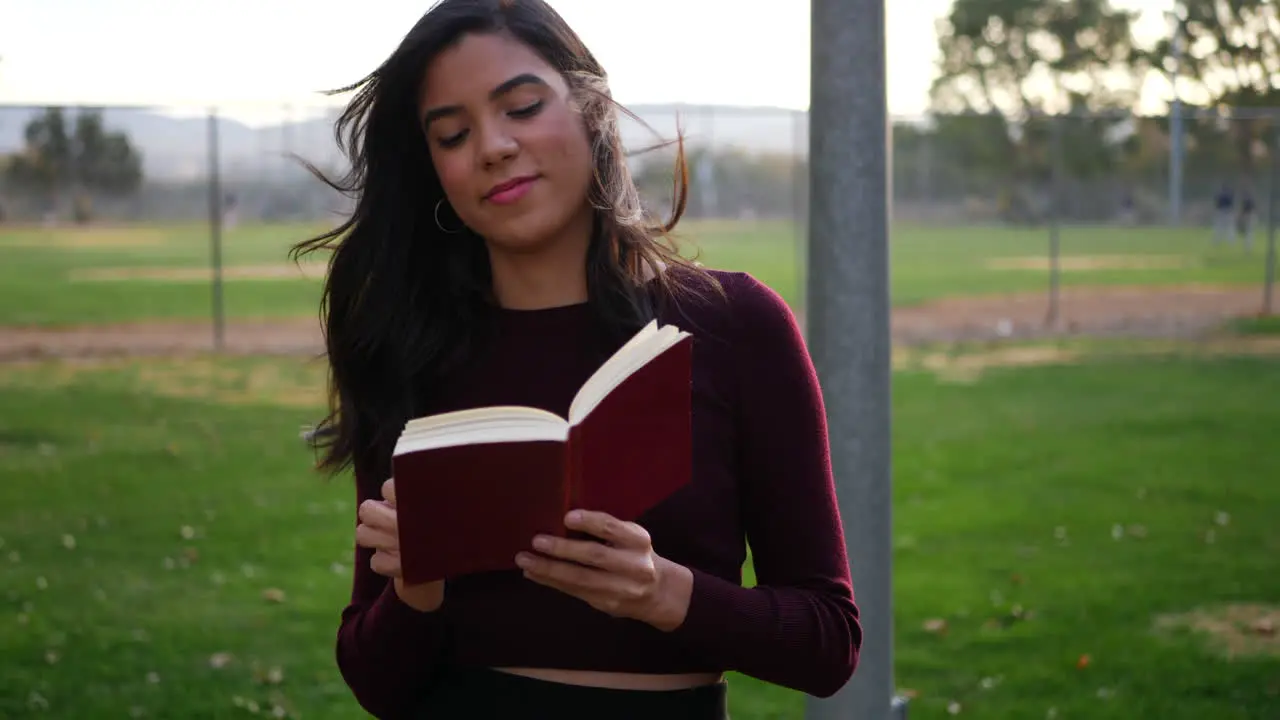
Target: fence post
point(1055, 217)
point(849, 321)
point(1268, 285)
point(800, 169)
point(215, 231)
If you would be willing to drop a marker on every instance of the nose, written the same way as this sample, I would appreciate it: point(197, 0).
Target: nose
point(496, 145)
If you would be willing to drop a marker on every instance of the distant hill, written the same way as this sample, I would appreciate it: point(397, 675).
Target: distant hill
point(176, 148)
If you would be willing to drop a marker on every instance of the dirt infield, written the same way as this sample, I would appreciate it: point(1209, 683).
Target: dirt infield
point(1082, 263)
point(88, 239)
point(1186, 311)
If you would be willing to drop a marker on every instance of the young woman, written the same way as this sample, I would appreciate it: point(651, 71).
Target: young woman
point(498, 252)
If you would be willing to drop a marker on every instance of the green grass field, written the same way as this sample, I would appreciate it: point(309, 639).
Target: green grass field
point(167, 552)
point(69, 276)
point(159, 518)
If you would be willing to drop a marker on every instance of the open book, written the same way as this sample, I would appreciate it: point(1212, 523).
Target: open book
point(474, 486)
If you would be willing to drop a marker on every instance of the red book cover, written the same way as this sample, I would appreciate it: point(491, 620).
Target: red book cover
point(474, 487)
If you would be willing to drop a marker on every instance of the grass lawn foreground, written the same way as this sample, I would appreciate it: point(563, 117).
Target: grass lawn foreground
point(1063, 536)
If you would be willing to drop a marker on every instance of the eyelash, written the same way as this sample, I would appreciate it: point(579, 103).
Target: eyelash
point(523, 113)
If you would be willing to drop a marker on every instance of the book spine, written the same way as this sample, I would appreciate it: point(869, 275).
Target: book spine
point(573, 485)
point(574, 479)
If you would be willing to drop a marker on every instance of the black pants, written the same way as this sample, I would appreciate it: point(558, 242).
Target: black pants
point(479, 694)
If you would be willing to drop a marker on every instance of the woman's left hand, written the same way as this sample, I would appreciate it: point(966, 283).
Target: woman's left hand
point(620, 574)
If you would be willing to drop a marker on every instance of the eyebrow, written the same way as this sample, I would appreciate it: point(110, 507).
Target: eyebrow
point(518, 81)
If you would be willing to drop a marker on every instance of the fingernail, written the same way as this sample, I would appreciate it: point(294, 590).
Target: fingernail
point(522, 560)
point(574, 516)
point(541, 543)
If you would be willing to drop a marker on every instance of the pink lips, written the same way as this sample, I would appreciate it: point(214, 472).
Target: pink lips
point(511, 191)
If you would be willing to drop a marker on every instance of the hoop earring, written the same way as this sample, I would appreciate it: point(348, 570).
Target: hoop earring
point(443, 229)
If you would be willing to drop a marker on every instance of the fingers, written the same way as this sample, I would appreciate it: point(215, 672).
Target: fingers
point(378, 514)
point(608, 528)
point(386, 564)
point(376, 539)
point(591, 584)
point(379, 531)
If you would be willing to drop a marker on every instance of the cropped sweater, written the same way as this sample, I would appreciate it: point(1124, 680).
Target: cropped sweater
point(761, 475)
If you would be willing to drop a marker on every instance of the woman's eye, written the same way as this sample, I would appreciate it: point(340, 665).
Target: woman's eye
point(453, 140)
point(526, 111)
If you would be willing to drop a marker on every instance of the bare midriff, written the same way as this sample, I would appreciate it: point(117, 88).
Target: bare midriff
point(617, 681)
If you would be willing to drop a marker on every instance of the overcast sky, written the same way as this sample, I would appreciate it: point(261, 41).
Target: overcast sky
point(260, 53)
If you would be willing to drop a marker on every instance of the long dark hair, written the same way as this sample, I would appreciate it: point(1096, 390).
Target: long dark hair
point(402, 297)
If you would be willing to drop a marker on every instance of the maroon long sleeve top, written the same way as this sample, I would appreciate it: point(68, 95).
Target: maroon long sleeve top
point(762, 476)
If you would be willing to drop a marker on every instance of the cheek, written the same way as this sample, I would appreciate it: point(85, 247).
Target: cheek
point(570, 150)
point(454, 175)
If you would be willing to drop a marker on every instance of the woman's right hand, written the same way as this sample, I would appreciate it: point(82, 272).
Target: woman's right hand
point(378, 531)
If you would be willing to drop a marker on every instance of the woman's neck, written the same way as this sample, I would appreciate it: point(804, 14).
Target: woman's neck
point(553, 277)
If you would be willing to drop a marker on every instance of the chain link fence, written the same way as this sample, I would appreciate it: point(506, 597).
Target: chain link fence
point(1183, 200)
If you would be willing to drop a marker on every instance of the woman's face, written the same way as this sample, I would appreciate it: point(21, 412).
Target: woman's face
point(511, 152)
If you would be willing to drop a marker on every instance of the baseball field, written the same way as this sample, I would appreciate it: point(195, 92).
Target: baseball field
point(1084, 513)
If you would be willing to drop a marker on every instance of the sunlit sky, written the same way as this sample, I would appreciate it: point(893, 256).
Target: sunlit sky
point(251, 56)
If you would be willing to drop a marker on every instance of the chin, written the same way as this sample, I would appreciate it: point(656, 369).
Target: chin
point(520, 240)
point(528, 233)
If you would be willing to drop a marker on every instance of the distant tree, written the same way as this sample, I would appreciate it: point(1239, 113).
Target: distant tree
point(59, 163)
point(1231, 57)
point(1023, 56)
point(1005, 64)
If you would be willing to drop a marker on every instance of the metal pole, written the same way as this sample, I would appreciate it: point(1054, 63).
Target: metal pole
point(1269, 284)
point(1055, 219)
point(215, 231)
point(799, 210)
point(1176, 133)
point(848, 319)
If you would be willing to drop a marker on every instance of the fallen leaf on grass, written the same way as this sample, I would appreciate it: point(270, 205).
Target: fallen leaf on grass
point(1264, 626)
point(219, 660)
point(275, 595)
point(1083, 662)
point(273, 675)
point(936, 625)
point(190, 554)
